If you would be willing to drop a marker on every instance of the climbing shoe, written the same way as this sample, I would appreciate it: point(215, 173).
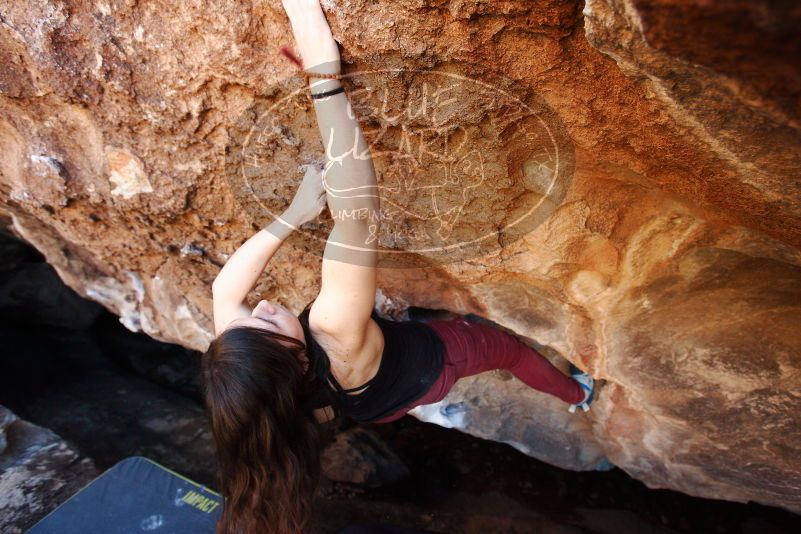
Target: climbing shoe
point(587, 384)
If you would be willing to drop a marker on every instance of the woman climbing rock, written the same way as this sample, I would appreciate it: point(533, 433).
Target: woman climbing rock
point(270, 377)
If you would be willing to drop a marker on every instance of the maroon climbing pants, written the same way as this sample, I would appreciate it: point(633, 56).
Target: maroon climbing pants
point(472, 348)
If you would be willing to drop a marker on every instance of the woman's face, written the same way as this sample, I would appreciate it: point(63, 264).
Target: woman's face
point(272, 317)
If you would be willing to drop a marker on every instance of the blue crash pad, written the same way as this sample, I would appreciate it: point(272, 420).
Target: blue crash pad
point(136, 495)
point(140, 495)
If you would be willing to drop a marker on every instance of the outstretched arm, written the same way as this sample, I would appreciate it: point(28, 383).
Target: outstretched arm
point(347, 294)
point(246, 264)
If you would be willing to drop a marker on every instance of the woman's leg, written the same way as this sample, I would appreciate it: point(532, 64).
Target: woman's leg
point(476, 347)
point(472, 348)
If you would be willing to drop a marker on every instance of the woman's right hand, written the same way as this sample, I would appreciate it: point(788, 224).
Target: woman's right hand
point(317, 47)
point(310, 198)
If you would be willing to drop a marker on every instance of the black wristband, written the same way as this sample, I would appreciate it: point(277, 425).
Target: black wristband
point(336, 91)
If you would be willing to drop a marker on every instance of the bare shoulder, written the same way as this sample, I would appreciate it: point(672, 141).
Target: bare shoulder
point(355, 356)
point(332, 324)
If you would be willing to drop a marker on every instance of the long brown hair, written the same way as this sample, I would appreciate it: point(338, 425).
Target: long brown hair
point(268, 444)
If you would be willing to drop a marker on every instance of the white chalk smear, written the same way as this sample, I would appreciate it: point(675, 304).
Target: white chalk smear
point(151, 523)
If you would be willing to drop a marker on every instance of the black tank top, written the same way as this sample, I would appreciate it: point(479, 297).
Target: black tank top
point(411, 362)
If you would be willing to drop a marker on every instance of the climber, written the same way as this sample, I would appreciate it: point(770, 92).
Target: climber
point(269, 377)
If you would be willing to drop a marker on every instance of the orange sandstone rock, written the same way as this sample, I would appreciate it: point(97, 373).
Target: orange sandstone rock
point(619, 184)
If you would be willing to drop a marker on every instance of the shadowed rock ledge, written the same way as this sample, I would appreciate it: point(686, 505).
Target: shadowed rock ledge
point(38, 471)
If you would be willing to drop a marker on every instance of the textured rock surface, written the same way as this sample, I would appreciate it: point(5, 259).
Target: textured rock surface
point(38, 471)
point(359, 456)
point(666, 260)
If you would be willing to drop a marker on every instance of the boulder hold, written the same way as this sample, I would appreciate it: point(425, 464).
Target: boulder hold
point(627, 171)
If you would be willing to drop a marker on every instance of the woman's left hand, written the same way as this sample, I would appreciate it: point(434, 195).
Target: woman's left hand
point(310, 200)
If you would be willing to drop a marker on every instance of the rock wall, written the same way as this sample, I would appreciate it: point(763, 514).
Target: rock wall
point(38, 472)
point(652, 149)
